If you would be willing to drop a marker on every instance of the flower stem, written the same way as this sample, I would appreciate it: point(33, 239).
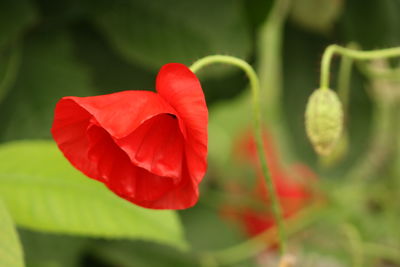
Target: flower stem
point(344, 77)
point(255, 88)
point(351, 53)
point(302, 220)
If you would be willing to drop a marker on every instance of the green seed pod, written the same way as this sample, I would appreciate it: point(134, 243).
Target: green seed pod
point(324, 120)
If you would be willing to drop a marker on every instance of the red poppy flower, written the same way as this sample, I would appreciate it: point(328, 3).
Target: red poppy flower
point(294, 194)
point(293, 186)
point(149, 148)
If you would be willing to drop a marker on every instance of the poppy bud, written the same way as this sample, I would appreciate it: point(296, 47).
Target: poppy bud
point(338, 152)
point(324, 120)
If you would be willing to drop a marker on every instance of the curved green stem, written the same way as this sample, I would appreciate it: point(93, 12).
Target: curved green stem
point(344, 78)
point(255, 88)
point(331, 50)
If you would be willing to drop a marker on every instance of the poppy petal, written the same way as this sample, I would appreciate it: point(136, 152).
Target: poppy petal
point(183, 196)
point(135, 184)
point(182, 90)
point(121, 113)
point(157, 146)
point(120, 175)
point(159, 149)
point(73, 142)
point(256, 223)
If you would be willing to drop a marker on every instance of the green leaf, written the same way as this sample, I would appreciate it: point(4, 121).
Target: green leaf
point(45, 193)
point(140, 253)
point(45, 250)
point(15, 17)
point(157, 32)
point(48, 71)
point(10, 248)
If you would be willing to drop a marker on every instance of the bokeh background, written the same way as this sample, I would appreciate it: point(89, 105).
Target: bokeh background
point(50, 49)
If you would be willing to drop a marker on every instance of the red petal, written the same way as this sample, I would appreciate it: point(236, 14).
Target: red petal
point(127, 180)
point(119, 174)
point(182, 90)
point(69, 132)
point(134, 183)
point(257, 222)
point(183, 196)
point(157, 146)
point(247, 150)
point(121, 113)
point(158, 150)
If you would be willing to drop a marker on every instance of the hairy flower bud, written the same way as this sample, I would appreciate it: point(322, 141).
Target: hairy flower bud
point(324, 120)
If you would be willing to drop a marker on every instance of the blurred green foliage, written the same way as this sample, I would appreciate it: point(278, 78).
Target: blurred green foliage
point(50, 49)
point(46, 194)
point(10, 246)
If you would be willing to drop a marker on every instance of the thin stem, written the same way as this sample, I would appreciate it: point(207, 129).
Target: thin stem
point(331, 50)
point(344, 79)
point(257, 244)
point(255, 88)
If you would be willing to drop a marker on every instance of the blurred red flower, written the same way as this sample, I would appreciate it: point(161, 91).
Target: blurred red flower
point(149, 148)
point(294, 188)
